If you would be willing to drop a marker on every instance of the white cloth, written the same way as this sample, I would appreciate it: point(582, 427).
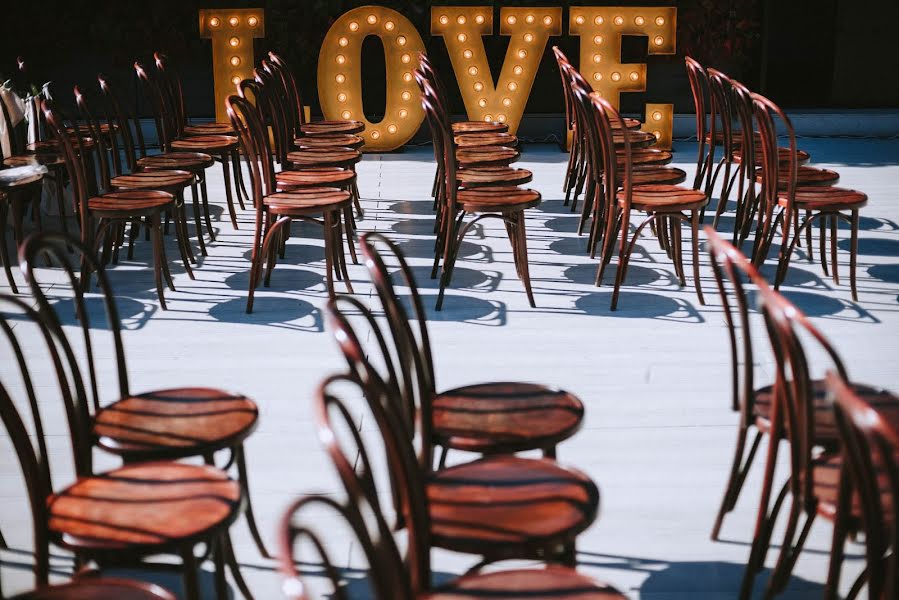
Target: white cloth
point(16, 108)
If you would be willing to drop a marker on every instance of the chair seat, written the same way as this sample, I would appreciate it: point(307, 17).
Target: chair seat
point(306, 201)
point(314, 177)
point(486, 139)
point(805, 176)
point(209, 129)
point(207, 144)
point(85, 130)
point(486, 156)
point(174, 423)
point(329, 140)
point(189, 161)
point(324, 157)
point(646, 157)
point(492, 176)
point(826, 486)
point(143, 506)
point(505, 417)
point(826, 198)
point(169, 179)
point(330, 127)
point(648, 175)
point(502, 501)
point(669, 198)
point(466, 127)
point(105, 588)
point(32, 160)
point(636, 137)
point(20, 180)
point(783, 156)
point(497, 199)
point(129, 203)
point(551, 583)
point(52, 146)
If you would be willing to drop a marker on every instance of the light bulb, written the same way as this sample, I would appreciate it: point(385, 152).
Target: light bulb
point(341, 97)
point(235, 80)
point(391, 129)
point(478, 86)
point(407, 77)
point(501, 118)
point(235, 61)
point(658, 134)
point(215, 22)
point(233, 21)
point(660, 21)
point(579, 20)
point(389, 25)
point(488, 117)
point(404, 113)
point(634, 76)
point(597, 76)
point(656, 116)
point(619, 21)
point(460, 19)
point(616, 76)
point(529, 19)
point(529, 37)
point(597, 39)
point(599, 20)
point(518, 70)
point(235, 41)
point(375, 134)
point(253, 21)
point(479, 19)
point(507, 102)
point(372, 19)
point(407, 95)
point(340, 59)
point(639, 20)
point(346, 114)
point(343, 41)
point(401, 40)
point(354, 26)
point(340, 78)
point(522, 53)
point(512, 86)
point(461, 37)
point(467, 53)
point(658, 40)
point(482, 102)
point(511, 20)
point(597, 58)
point(547, 20)
point(443, 19)
point(406, 58)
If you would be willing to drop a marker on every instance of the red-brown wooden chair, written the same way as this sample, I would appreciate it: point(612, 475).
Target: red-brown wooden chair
point(100, 588)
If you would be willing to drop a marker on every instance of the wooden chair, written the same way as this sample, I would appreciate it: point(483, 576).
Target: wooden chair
point(800, 190)
point(498, 507)
point(870, 479)
point(666, 205)
point(162, 424)
point(102, 588)
point(117, 517)
point(487, 418)
point(275, 209)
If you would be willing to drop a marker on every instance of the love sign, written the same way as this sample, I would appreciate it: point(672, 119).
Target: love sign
point(600, 29)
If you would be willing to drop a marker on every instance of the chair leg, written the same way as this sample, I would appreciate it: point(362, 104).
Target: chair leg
point(198, 225)
point(339, 255)
point(189, 574)
point(738, 472)
point(156, 233)
point(453, 243)
point(255, 262)
point(822, 243)
point(853, 253)
point(329, 254)
point(525, 274)
point(350, 233)
point(204, 194)
point(694, 221)
point(4, 251)
point(181, 233)
point(234, 567)
point(229, 198)
point(218, 559)
point(239, 190)
point(676, 247)
point(789, 553)
point(242, 475)
point(833, 249)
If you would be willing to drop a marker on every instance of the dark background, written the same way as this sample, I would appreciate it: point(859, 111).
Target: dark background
point(802, 53)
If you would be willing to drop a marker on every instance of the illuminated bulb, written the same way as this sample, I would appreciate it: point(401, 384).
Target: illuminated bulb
point(616, 76)
point(599, 20)
point(529, 37)
point(372, 19)
point(340, 59)
point(634, 76)
point(215, 22)
point(389, 25)
point(340, 78)
point(407, 77)
point(461, 37)
point(253, 21)
point(235, 80)
point(597, 58)
point(406, 58)
point(479, 19)
point(522, 53)
point(404, 113)
point(478, 86)
point(660, 21)
point(234, 41)
point(391, 129)
point(472, 70)
point(511, 20)
point(460, 19)
point(619, 21)
point(343, 41)
point(407, 96)
point(235, 60)
point(639, 20)
point(233, 21)
point(354, 26)
point(507, 102)
point(598, 92)
point(375, 134)
point(597, 76)
point(658, 40)
point(547, 20)
point(467, 53)
point(501, 118)
point(482, 102)
point(488, 117)
point(512, 86)
point(656, 116)
point(658, 134)
point(529, 19)
point(518, 70)
point(341, 97)
point(444, 19)
point(346, 114)
point(579, 20)
point(401, 40)
point(597, 39)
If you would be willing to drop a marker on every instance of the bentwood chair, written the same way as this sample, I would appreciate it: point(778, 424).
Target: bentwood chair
point(488, 418)
point(276, 209)
point(801, 189)
point(161, 424)
point(117, 517)
point(99, 588)
point(389, 576)
point(869, 433)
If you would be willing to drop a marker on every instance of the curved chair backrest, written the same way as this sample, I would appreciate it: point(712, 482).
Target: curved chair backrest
point(443, 142)
point(166, 130)
point(699, 82)
point(170, 85)
point(562, 62)
point(870, 449)
point(614, 121)
point(275, 109)
point(591, 127)
point(253, 136)
point(741, 99)
point(298, 114)
point(721, 107)
point(128, 125)
point(88, 116)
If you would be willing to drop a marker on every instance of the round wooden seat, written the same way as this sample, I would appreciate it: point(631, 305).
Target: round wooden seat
point(307, 201)
point(492, 176)
point(486, 156)
point(486, 139)
point(329, 140)
point(664, 198)
point(85, 129)
point(827, 199)
point(188, 161)
point(174, 423)
point(554, 582)
point(636, 137)
point(646, 156)
point(499, 198)
point(207, 144)
point(33, 160)
point(52, 146)
point(485, 505)
point(805, 176)
point(469, 127)
point(129, 203)
point(144, 506)
point(826, 486)
point(330, 127)
point(629, 123)
point(324, 157)
point(505, 416)
point(106, 588)
point(657, 175)
point(314, 177)
point(168, 179)
point(209, 129)
point(783, 156)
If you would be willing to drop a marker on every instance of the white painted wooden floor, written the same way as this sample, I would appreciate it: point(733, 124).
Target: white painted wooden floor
point(654, 375)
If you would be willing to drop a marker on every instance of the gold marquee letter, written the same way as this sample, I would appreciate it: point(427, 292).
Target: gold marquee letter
point(340, 74)
point(462, 28)
point(232, 31)
point(600, 29)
